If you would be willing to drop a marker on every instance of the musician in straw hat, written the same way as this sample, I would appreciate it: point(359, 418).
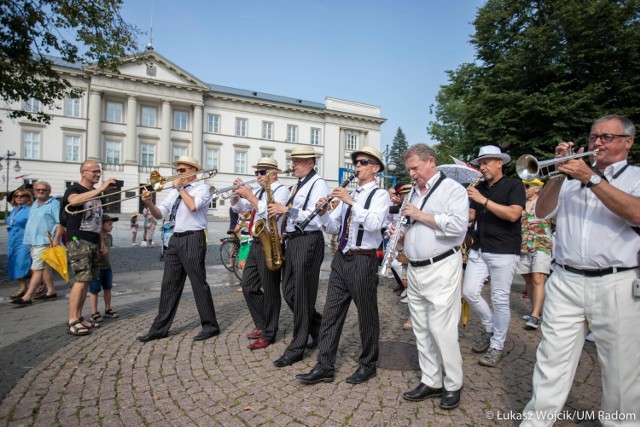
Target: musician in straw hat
point(187, 205)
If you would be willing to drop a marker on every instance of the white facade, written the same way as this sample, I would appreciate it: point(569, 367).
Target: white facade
point(152, 111)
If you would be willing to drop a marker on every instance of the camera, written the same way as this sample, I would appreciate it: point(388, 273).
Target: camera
point(118, 184)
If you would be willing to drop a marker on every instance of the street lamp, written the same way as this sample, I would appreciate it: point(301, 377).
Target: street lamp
point(389, 166)
point(9, 154)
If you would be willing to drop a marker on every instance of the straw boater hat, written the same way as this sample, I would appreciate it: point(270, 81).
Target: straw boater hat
point(369, 151)
point(106, 218)
point(536, 182)
point(186, 160)
point(491, 152)
point(267, 163)
point(303, 152)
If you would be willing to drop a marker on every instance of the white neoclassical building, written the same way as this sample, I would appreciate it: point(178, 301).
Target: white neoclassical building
point(152, 111)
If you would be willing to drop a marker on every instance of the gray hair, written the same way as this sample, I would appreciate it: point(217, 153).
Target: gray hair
point(423, 151)
point(45, 183)
point(627, 125)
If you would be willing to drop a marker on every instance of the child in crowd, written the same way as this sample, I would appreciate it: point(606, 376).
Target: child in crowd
point(151, 229)
point(134, 229)
point(105, 280)
point(244, 235)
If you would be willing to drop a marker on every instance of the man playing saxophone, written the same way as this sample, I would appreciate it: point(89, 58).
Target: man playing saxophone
point(358, 221)
point(262, 271)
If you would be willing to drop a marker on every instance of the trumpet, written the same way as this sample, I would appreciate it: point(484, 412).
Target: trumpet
point(227, 192)
point(529, 168)
point(156, 182)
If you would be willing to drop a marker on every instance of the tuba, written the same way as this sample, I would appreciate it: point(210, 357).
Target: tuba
point(270, 239)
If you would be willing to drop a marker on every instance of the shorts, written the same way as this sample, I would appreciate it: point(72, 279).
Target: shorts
point(36, 262)
point(534, 262)
point(104, 281)
point(84, 258)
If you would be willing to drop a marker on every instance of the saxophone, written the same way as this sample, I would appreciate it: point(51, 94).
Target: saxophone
point(392, 245)
point(270, 239)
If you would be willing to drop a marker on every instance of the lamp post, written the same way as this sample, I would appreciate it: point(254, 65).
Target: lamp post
point(389, 166)
point(8, 155)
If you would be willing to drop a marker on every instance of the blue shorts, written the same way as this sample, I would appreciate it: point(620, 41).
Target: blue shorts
point(104, 281)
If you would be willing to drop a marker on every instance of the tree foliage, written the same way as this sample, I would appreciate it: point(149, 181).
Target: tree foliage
point(76, 31)
point(398, 147)
point(544, 71)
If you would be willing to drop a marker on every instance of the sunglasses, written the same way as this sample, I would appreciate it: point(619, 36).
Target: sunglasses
point(95, 172)
point(181, 170)
point(20, 195)
point(365, 162)
point(261, 172)
point(40, 190)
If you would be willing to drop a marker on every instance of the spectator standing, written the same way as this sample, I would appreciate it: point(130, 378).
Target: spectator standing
point(19, 258)
point(105, 279)
point(44, 218)
point(134, 229)
point(151, 230)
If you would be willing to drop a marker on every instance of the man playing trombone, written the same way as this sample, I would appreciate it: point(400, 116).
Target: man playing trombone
point(187, 207)
point(358, 221)
point(261, 285)
point(595, 283)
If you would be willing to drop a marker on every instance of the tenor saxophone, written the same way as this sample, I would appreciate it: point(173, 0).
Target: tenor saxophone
point(270, 239)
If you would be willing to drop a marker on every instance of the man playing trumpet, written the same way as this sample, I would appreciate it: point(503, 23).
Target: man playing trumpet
point(187, 207)
point(260, 285)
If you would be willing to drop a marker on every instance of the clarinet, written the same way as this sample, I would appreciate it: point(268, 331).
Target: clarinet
point(390, 253)
point(302, 225)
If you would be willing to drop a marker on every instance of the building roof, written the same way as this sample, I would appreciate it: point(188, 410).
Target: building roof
point(266, 96)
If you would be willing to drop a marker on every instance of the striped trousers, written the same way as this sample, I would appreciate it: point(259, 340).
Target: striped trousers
point(304, 256)
point(261, 290)
point(354, 278)
point(185, 257)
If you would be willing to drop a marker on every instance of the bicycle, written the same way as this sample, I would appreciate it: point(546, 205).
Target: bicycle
point(229, 249)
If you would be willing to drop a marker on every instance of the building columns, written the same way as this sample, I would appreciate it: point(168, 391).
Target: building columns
point(94, 140)
point(197, 134)
point(131, 142)
point(164, 147)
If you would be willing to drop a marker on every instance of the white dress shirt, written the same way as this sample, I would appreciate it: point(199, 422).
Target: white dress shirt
point(371, 219)
point(185, 219)
point(588, 234)
point(450, 206)
point(280, 195)
point(318, 190)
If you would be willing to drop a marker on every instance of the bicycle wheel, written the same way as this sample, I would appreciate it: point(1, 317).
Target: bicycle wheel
point(238, 272)
point(229, 254)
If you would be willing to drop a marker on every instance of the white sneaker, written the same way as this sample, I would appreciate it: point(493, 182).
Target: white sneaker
point(405, 300)
point(403, 294)
point(590, 337)
point(134, 244)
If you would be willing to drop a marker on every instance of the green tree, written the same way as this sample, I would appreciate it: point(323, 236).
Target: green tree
point(398, 147)
point(544, 71)
point(75, 31)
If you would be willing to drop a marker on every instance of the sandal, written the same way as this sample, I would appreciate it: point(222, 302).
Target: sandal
point(97, 317)
point(19, 294)
point(111, 313)
point(76, 329)
point(91, 323)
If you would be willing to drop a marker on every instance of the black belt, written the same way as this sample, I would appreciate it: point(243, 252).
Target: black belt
point(352, 252)
point(295, 234)
point(595, 273)
point(434, 259)
point(185, 233)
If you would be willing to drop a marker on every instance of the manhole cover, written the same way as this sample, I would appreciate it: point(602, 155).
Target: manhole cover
point(398, 355)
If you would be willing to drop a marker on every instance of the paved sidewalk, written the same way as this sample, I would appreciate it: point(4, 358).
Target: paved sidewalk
point(49, 378)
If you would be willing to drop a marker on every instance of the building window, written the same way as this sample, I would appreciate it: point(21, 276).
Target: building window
point(72, 107)
point(31, 144)
point(241, 127)
point(292, 133)
point(266, 154)
point(315, 136)
point(351, 141)
point(148, 116)
point(113, 152)
point(71, 148)
point(114, 112)
point(213, 156)
point(267, 130)
point(178, 151)
point(147, 155)
point(32, 105)
point(180, 119)
point(213, 123)
point(240, 166)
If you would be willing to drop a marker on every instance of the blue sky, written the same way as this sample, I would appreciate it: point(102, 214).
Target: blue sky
point(392, 54)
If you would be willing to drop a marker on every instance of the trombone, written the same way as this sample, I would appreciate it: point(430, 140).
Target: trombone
point(156, 181)
point(529, 168)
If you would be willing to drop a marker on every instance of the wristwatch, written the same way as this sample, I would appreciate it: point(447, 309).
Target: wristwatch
point(594, 180)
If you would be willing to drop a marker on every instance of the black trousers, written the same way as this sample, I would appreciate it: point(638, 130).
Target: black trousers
point(185, 257)
point(304, 256)
point(354, 278)
point(261, 290)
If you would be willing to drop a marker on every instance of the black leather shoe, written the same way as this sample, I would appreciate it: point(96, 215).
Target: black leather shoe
point(422, 392)
point(315, 376)
point(450, 399)
point(361, 375)
point(151, 337)
point(205, 335)
point(286, 361)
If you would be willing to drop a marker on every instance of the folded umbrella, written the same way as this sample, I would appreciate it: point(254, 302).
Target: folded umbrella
point(56, 257)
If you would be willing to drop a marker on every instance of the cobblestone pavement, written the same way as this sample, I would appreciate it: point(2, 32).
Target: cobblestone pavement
point(109, 378)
